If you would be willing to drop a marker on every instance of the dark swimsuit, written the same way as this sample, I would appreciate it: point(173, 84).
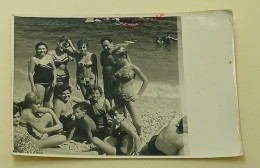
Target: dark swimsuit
point(119, 135)
point(152, 148)
point(99, 116)
point(43, 74)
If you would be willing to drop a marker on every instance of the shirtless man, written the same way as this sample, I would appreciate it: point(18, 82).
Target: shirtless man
point(107, 62)
point(171, 139)
point(62, 106)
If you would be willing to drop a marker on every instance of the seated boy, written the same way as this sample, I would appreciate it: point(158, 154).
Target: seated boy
point(171, 139)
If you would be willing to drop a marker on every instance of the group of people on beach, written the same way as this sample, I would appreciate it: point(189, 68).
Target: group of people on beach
point(51, 117)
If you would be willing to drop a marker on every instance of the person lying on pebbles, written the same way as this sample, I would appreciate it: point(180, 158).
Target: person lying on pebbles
point(170, 140)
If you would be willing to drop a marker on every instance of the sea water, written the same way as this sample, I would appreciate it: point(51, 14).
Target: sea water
point(159, 62)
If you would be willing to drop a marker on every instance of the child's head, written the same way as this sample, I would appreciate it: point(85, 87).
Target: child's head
point(16, 115)
point(79, 110)
point(117, 113)
point(32, 100)
point(95, 92)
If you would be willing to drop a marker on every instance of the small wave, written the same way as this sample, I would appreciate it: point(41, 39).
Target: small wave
point(23, 72)
point(159, 89)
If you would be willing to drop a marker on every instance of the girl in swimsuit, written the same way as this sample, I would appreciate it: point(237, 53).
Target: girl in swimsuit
point(124, 79)
point(38, 121)
point(42, 73)
point(61, 58)
point(124, 139)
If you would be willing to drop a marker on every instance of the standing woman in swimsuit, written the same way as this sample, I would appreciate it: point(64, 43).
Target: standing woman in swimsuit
point(124, 80)
point(61, 58)
point(124, 139)
point(42, 73)
point(87, 72)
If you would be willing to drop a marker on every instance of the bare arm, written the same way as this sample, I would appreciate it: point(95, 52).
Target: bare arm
point(54, 69)
point(142, 77)
point(57, 107)
point(31, 66)
point(31, 119)
point(48, 110)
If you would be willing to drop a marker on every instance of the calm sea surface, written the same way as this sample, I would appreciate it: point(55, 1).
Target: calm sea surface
point(158, 62)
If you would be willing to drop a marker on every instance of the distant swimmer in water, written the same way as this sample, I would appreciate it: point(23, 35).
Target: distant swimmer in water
point(130, 41)
point(158, 40)
point(168, 38)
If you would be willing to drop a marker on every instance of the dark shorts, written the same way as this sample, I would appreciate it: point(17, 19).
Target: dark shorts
point(68, 123)
point(152, 148)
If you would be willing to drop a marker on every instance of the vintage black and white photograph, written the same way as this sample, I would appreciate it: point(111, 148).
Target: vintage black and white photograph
point(98, 86)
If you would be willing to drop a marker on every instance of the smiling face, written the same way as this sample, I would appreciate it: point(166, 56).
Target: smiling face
point(95, 95)
point(83, 49)
point(65, 96)
point(42, 50)
point(16, 119)
point(118, 60)
point(107, 45)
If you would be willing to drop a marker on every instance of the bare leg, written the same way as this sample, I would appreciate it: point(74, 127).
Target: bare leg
point(50, 141)
point(106, 146)
point(47, 96)
point(135, 117)
point(40, 91)
point(83, 91)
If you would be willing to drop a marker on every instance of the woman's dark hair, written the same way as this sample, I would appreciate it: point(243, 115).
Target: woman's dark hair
point(16, 109)
point(106, 38)
point(82, 42)
point(61, 88)
point(120, 52)
point(94, 88)
point(38, 45)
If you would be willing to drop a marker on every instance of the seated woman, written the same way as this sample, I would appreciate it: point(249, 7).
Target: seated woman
point(124, 139)
point(124, 80)
point(42, 73)
point(39, 121)
point(62, 107)
point(24, 143)
point(100, 111)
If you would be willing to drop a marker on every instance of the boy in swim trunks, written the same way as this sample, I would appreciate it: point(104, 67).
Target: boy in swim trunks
point(171, 139)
